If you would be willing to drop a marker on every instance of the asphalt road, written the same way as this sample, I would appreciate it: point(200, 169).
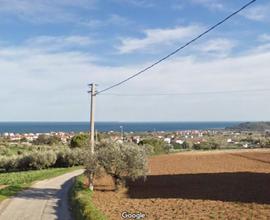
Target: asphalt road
point(45, 200)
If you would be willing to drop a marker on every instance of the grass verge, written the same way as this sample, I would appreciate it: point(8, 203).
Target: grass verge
point(81, 202)
point(14, 182)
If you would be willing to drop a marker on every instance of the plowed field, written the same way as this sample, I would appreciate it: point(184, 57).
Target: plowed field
point(195, 185)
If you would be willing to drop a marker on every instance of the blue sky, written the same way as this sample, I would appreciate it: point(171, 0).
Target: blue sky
point(50, 50)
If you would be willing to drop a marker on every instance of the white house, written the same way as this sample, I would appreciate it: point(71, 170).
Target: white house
point(179, 141)
point(167, 140)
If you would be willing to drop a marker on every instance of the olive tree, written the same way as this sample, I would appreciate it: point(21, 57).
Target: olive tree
point(41, 160)
point(123, 160)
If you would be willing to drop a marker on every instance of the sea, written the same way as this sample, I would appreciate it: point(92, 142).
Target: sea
point(45, 127)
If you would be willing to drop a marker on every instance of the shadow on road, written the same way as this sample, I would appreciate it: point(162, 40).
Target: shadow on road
point(58, 199)
point(235, 187)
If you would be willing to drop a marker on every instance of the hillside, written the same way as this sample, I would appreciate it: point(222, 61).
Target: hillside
point(251, 126)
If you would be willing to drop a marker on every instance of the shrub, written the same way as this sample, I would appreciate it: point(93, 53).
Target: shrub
point(41, 160)
point(205, 146)
point(2, 161)
point(185, 145)
point(265, 143)
point(68, 158)
point(149, 149)
point(61, 160)
point(5, 151)
point(79, 156)
point(79, 141)
point(24, 162)
point(9, 163)
point(160, 147)
point(48, 140)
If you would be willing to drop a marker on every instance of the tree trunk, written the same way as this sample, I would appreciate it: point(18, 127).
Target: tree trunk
point(117, 182)
point(91, 182)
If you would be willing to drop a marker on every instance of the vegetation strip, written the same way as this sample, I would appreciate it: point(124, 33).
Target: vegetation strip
point(17, 181)
point(81, 202)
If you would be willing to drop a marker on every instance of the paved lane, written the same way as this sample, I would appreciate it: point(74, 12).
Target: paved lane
point(45, 200)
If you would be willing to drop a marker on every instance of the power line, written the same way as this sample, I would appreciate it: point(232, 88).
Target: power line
point(178, 49)
point(188, 93)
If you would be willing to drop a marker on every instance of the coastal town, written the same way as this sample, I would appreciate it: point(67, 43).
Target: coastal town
point(185, 139)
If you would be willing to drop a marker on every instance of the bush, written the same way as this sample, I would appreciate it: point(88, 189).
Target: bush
point(1, 162)
point(149, 149)
point(77, 156)
point(69, 158)
point(24, 162)
point(160, 147)
point(5, 151)
point(185, 145)
point(41, 160)
point(205, 146)
point(79, 141)
point(9, 163)
point(61, 160)
point(47, 140)
point(265, 143)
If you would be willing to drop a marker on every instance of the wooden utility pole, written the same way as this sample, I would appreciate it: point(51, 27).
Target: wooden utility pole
point(92, 117)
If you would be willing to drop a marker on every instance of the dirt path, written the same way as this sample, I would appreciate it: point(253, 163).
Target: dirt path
point(46, 200)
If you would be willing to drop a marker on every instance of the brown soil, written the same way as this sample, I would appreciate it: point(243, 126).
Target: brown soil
point(3, 186)
point(195, 185)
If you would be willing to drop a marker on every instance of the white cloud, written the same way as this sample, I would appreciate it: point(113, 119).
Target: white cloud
point(211, 4)
point(52, 86)
point(40, 11)
point(261, 48)
point(137, 3)
point(59, 42)
point(264, 37)
point(258, 13)
point(113, 19)
point(219, 46)
point(158, 37)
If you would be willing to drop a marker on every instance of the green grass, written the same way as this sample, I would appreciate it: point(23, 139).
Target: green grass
point(17, 181)
point(82, 204)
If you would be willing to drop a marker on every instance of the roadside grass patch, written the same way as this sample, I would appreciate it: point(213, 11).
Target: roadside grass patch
point(17, 181)
point(81, 202)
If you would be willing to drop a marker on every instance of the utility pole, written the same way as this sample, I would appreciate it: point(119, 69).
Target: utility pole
point(92, 129)
point(92, 116)
point(96, 136)
point(122, 132)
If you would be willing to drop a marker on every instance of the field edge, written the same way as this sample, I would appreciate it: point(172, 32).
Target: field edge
point(81, 202)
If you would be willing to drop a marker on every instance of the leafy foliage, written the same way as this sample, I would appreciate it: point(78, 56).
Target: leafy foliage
point(118, 161)
point(159, 146)
point(80, 141)
point(42, 159)
point(45, 139)
point(205, 146)
point(185, 145)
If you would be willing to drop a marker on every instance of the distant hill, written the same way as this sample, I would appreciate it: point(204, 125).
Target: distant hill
point(251, 126)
